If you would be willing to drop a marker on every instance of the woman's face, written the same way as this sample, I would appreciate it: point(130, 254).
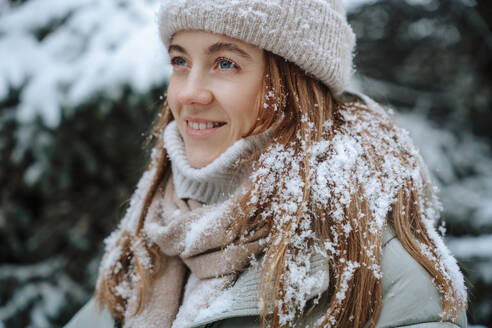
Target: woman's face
point(213, 91)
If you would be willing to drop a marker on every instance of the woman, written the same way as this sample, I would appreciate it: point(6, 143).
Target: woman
point(273, 197)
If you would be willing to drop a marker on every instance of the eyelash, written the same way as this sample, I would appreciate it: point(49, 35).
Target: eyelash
point(217, 61)
point(236, 66)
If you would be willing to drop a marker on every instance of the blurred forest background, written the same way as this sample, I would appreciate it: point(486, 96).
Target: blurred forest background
point(81, 82)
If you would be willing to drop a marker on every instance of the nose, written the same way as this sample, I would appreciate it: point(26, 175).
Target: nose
point(195, 91)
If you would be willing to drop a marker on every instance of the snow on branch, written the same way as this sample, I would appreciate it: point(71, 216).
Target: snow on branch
point(63, 53)
point(461, 166)
point(43, 299)
point(471, 247)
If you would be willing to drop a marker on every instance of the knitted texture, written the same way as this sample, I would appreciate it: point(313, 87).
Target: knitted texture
point(314, 34)
point(195, 238)
point(218, 180)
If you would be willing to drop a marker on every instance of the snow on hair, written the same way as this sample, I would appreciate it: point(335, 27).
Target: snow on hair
point(335, 174)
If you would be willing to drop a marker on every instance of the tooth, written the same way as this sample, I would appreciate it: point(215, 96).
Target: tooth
point(203, 126)
point(194, 125)
point(210, 125)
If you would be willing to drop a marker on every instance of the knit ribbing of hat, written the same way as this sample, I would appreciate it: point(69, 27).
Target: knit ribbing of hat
point(314, 34)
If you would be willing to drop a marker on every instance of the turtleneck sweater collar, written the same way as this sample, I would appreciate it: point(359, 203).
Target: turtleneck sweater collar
point(218, 180)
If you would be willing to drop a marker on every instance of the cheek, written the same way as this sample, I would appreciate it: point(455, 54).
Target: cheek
point(243, 104)
point(172, 97)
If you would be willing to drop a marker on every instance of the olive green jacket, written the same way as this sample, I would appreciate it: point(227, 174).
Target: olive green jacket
point(409, 298)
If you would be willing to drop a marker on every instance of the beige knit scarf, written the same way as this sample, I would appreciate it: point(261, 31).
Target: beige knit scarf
point(193, 238)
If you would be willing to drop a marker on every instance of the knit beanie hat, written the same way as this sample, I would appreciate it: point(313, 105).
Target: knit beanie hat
point(314, 34)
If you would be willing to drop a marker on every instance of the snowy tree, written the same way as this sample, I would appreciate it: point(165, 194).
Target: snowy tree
point(80, 81)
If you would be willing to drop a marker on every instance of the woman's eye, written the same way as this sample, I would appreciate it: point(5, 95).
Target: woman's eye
point(178, 61)
point(226, 64)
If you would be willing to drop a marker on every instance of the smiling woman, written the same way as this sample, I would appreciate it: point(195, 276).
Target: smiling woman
point(274, 197)
point(213, 91)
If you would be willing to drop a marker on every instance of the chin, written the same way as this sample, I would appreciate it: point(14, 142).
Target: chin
point(200, 155)
point(199, 161)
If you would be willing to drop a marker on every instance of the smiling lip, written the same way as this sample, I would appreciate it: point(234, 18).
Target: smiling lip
point(200, 128)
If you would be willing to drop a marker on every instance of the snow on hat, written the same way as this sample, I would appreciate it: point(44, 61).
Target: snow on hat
point(314, 34)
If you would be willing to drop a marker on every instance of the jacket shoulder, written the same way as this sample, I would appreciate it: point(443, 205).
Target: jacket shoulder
point(410, 298)
point(91, 316)
point(409, 295)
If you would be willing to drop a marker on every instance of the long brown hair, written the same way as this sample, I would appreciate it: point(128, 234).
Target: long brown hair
point(299, 107)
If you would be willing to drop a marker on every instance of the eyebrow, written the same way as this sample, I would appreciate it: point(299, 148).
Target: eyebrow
point(214, 48)
point(220, 46)
point(177, 48)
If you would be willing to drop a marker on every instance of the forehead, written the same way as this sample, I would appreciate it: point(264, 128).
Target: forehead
point(203, 39)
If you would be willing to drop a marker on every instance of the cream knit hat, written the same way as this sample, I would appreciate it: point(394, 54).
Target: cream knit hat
point(314, 34)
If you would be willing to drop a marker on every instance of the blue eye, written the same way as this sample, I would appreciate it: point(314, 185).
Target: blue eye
point(178, 61)
point(226, 64)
